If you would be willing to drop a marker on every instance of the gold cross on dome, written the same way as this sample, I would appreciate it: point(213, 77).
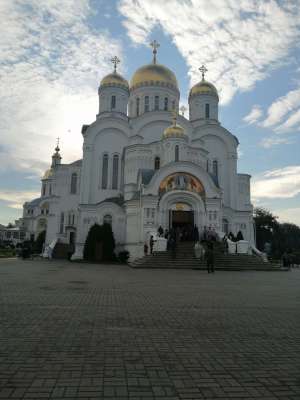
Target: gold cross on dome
point(115, 60)
point(183, 110)
point(155, 45)
point(203, 70)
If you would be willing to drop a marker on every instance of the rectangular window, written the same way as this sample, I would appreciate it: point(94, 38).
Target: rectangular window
point(104, 171)
point(61, 224)
point(115, 172)
point(113, 102)
point(176, 153)
point(166, 104)
point(156, 103)
point(146, 103)
point(73, 183)
point(206, 110)
point(173, 105)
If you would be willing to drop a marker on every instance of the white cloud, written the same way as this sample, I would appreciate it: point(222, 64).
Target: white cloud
point(291, 215)
point(254, 115)
point(279, 183)
point(267, 143)
point(281, 109)
point(239, 42)
point(51, 63)
point(16, 198)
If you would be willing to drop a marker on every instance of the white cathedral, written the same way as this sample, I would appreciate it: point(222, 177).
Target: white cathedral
point(144, 166)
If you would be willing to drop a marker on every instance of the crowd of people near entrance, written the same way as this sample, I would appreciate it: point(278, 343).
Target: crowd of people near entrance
point(204, 243)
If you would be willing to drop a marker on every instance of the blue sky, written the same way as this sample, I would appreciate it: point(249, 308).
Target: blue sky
point(53, 54)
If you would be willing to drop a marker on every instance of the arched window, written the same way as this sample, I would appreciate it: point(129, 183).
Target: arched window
point(166, 104)
point(104, 171)
point(115, 172)
point(113, 102)
point(206, 110)
point(176, 153)
point(50, 189)
point(157, 163)
point(74, 183)
point(156, 103)
point(173, 105)
point(146, 103)
point(138, 106)
point(107, 219)
point(43, 189)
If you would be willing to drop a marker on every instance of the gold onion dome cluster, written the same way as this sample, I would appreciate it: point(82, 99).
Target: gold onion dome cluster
point(154, 74)
point(203, 87)
point(114, 79)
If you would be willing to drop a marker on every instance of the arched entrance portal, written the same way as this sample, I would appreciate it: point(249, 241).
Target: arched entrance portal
point(181, 215)
point(182, 210)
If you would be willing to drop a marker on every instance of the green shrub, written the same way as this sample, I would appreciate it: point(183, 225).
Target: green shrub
point(99, 244)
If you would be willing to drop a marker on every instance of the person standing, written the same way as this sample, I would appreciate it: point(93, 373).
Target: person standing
point(173, 247)
point(160, 231)
point(145, 249)
point(151, 242)
point(196, 234)
point(210, 259)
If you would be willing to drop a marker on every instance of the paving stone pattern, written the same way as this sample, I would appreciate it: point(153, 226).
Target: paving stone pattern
point(80, 331)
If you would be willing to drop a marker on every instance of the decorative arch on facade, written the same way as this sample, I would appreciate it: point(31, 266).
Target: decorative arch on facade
point(181, 181)
point(45, 208)
point(107, 219)
point(42, 224)
point(183, 167)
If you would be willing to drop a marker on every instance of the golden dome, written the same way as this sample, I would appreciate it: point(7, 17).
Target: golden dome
point(154, 74)
point(48, 174)
point(114, 79)
point(174, 131)
point(203, 87)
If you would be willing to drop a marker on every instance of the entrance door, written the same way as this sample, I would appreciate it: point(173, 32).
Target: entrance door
point(183, 222)
point(72, 238)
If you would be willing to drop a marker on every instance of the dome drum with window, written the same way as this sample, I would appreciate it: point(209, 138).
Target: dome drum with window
point(113, 92)
point(203, 100)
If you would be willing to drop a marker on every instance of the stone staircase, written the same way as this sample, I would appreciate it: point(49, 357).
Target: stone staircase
point(185, 259)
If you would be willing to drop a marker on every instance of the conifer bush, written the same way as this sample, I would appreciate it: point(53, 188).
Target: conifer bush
point(99, 236)
point(40, 240)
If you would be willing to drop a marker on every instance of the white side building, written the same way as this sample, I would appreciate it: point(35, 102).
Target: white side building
point(139, 171)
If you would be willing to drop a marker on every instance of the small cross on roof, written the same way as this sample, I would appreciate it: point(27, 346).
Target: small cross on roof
point(203, 70)
point(155, 45)
point(115, 60)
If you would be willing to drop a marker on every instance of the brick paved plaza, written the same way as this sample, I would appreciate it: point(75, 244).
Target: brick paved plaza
point(79, 331)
